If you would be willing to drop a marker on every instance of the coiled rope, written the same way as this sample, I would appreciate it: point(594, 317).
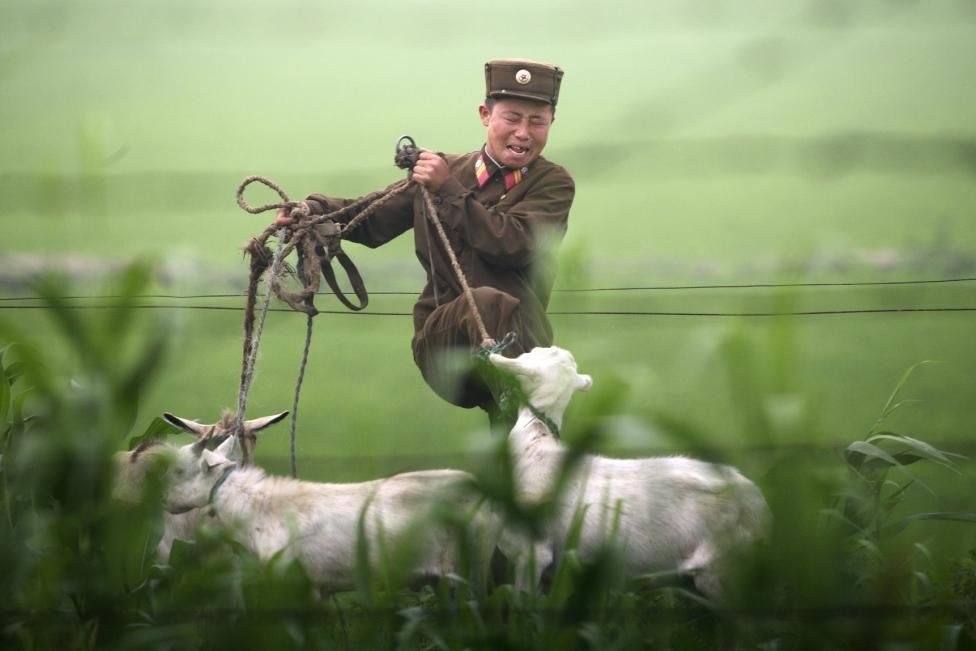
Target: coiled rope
point(315, 248)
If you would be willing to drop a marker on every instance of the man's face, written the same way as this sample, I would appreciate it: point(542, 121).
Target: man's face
point(517, 130)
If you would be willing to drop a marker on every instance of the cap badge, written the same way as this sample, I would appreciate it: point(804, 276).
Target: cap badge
point(523, 76)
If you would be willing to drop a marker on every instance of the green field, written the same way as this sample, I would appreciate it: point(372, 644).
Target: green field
point(712, 144)
point(792, 142)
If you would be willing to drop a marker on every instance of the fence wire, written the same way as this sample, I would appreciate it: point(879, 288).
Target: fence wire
point(29, 302)
point(579, 290)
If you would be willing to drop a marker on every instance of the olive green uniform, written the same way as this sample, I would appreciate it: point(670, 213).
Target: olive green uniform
point(503, 240)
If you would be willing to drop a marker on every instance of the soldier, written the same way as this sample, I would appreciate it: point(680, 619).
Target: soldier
point(504, 208)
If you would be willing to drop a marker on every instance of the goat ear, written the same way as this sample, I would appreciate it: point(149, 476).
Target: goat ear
point(212, 465)
point(258, 424)
point(144, 445)
point(227, 447)
point(199, 447)
point(583, 382)
point(211, 460)
point(186, 425)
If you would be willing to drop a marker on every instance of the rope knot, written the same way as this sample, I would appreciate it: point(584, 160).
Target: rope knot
point(489, 346)
point(299, 210)
point(406, 154)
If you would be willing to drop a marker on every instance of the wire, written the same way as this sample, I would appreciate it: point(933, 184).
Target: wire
point(928, 281)
point(648, 313)
point(227, 308)
point(770, 285)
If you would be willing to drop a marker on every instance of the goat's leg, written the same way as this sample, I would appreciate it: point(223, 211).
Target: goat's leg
point(702, 566)
point(529, 558)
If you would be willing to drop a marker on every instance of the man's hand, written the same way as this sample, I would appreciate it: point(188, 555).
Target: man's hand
point(430, 171)
point(283, 217)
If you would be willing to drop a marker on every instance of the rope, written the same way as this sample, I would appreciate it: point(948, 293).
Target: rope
point(298, 384)
point(252, 337)
point(251, 342)
point(405, 158)
point(486, 340)
point(315, 248)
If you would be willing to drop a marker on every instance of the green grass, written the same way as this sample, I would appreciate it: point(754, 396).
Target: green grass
point(78, 572)
point(363, 397)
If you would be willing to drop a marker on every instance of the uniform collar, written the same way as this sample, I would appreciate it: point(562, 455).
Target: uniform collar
point(493, 165)
point(486, 167)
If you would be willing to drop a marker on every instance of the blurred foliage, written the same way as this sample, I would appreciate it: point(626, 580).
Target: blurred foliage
point(78, 570)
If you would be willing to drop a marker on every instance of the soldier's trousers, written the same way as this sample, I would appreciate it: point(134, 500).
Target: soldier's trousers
point(443, 348)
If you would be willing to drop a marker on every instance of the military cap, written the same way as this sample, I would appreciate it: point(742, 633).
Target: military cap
point(523, 79)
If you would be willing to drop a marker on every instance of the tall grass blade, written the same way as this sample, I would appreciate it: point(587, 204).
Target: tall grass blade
point(860, 451)
point(899, 526)
point(76, 331)
point(921, 447)
point(6, 394)
point(890, 406)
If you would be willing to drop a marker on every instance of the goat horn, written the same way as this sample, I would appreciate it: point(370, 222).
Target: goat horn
point(258, 424)
point(187, 425)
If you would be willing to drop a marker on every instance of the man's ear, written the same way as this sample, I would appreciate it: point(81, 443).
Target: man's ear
point(484, 113)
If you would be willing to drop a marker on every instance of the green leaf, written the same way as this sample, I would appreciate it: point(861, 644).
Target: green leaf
point(564, 578)
point(942, 516)
point(890, 405)
point(920, 447)
point(76, 331)
point(127, 286)
point(840, 517)
point(895, 497)
point(183, 554)
point(6, 396)
point(859, 451)
point(157, 429)
point(15, 370)
point(903, 458)
point(869, 547)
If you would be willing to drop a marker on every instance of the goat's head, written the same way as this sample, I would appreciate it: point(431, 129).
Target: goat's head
point(548, 376)
point(193, 473)
point(135, 468)
point(222, 432)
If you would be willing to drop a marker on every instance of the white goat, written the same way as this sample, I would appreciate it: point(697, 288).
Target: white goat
point(318, 524)
point(665, 514)
point(132, 467)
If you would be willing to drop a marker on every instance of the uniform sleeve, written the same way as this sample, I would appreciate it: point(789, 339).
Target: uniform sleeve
point(511, 236)
point(391, 219)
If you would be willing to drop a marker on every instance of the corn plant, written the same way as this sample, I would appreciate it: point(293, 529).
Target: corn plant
point(881, 480)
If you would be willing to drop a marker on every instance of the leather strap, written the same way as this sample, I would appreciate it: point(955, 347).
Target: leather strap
point(355, 279)
point(329, 236)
